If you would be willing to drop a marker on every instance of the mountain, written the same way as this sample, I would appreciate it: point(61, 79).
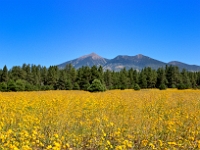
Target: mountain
point(86, 60)
point(186, 66)
point(136, 62)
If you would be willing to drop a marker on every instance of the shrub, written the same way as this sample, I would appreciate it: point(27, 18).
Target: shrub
point(3, 86)
point(20, 85)
point(181, 86)
point(162, 87)
point(12, 86)
point(96, 86)
point(76, 86)
point(173, 86)
point(136, 87)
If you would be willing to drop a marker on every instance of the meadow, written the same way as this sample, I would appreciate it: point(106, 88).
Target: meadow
point(116, 119)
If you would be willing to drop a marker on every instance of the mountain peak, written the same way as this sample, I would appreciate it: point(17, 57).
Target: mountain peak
point(139, 56)
point(92, 55)
point(137, 62)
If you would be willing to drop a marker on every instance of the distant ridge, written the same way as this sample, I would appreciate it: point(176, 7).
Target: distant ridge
point(137, 62)
point(86, 60)
point(185, 66)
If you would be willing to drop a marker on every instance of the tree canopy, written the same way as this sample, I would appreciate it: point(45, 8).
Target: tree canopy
point(31, 78)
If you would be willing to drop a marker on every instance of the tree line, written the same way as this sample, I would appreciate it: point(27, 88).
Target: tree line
point(35, 77)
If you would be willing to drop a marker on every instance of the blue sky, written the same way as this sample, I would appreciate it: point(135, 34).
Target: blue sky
point(52, 32)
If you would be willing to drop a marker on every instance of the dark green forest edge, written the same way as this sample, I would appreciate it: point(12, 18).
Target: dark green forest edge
point(38, 78)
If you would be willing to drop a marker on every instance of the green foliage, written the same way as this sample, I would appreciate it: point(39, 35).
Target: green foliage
point(12, 86)
point(76, 86)
point(20, 85)
point(96, 86)
point(136, 87)
point(181, 86)
point(32, 78)
point(162, 87)
point(4, 75)
point(3, 87)
point(68, 85)
point(173, 86)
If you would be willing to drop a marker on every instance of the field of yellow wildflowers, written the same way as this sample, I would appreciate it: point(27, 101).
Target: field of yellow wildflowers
point(118, 119)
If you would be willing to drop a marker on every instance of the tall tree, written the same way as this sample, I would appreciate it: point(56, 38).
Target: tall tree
point(151, 77)
point(185, 79)
point(52, 76)
point(143, 79)
point(108, 79)
point(161, 77)
point(4, 74)
point(61, 84)
point(84, 77)
point(17, 73)
point(173, 76)
point(123, 78)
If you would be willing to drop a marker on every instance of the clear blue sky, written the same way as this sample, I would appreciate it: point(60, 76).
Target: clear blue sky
point(50, 32)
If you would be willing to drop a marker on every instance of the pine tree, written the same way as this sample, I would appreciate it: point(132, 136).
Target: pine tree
point(62, 81)
point(4, 75)
point(142, 79)
point(185, 79)
point(96, 86)
point(161, 78)
point(108, 79)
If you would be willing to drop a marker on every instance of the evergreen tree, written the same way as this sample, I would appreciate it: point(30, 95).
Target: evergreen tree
point(173, 76)
point(94, 74)
point(69, 85)
point(20, 85)
point(136, 87)
point(3, 86)
point(62, 81)
point(115, 80)
point(17, 73)
point(84, 76)
point(193, 78)
point(131, 81)
point(71, 73)
point(143, 79)
point(108, 79)
point(76, 86)
point(161, 78)
point(101, 73)
point(52, 76)
point(96, 86)
point(151, 77)
point(44, 73)
point(11, 86)
point(185, 79)
point(123, 79)
point(4, 74)
point(28, 74)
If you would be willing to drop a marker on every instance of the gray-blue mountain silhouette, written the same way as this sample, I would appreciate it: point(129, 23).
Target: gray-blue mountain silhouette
point(137, 62)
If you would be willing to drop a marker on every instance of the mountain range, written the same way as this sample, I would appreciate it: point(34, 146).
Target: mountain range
point(137, 62)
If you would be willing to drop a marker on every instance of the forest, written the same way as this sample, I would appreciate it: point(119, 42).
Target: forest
point(37, 78)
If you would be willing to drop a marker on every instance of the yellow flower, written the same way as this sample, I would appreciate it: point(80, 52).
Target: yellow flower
point(144, 142)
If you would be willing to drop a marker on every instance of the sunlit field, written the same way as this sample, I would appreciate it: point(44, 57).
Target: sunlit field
point(118, 119)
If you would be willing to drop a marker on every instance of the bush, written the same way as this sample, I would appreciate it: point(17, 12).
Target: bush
point(162, 87)
point(136, 87)
point(173, 86)
point(12, 86)
point(20, 85)
point(96, 86)
point(181, 86)
point(68, 85)
point(76, 86)
point(3, 87)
